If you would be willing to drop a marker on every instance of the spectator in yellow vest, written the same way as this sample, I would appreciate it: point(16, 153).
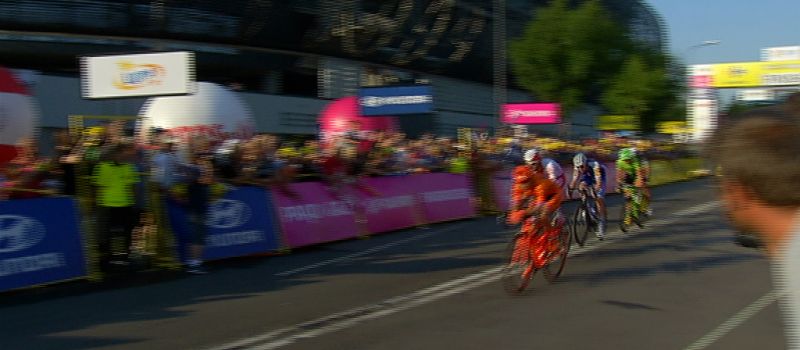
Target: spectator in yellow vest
point(115, 179)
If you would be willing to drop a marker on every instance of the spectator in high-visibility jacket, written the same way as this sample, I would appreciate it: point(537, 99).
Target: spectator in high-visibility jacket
point(115, 179)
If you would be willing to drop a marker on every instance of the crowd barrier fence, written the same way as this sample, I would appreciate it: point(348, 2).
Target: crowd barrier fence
point(45, 246)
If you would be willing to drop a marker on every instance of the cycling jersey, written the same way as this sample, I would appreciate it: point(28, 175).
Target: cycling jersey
point(554, 172)
point(595, 173)
point(530, 190)
point(628, 172)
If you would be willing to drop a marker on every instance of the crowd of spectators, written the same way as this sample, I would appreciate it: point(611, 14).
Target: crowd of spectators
point(266, 160)
point(123, 182)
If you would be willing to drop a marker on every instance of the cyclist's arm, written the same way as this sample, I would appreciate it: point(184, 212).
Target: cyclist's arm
point(575, 177)
point(598, 175)
point(549, 197)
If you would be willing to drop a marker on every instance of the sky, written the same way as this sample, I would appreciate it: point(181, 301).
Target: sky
point(743, 27)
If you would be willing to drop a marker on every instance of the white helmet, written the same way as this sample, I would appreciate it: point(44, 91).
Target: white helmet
point(579, 159)
point(532, 156)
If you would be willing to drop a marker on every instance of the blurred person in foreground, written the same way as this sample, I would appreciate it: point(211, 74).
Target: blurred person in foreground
point(756, 155)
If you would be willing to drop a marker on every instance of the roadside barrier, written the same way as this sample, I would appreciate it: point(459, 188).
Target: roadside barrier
point(45, 246)
point(40, 246)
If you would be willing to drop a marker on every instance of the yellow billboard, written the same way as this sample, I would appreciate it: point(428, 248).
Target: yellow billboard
point(753, 74)
point(617, 122)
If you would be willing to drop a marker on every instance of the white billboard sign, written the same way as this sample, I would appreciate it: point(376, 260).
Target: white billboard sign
point(701, 69)
point(155, 74)
point(702, 118)
point(783, 53)
point(755, 95)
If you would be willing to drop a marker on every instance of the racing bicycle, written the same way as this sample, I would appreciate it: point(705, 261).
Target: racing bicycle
point(633, 211)
point(585, 219)
point(528, 253)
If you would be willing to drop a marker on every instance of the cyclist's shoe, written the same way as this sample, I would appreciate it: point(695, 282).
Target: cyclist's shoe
point(601, 230)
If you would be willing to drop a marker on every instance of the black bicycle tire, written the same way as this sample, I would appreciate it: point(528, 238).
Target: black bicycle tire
point(511, 274)
point(580, 225)
point(554, 268)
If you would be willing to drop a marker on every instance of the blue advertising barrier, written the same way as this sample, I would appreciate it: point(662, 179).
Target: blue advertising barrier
point(239, 224)
point(40, 242)
point(395, 100)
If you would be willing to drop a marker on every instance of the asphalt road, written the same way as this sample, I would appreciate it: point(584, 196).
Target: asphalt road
point(679, 283)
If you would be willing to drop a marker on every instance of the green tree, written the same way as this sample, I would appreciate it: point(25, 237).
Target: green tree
point(645, 88)
point(565, 55)
point(635, 85)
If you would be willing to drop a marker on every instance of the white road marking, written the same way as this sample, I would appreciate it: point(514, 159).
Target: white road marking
point(349, 318)
point(735, 321)
point(365, 252)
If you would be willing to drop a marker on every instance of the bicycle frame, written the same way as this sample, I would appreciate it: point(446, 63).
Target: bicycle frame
point(633, 202)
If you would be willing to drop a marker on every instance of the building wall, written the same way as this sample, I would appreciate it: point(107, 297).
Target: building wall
point(458, 104)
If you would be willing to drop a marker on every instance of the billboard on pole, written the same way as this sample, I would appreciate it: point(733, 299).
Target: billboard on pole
point(152, 74)
point(755, 74)
point(383, 101)
point(531, 113)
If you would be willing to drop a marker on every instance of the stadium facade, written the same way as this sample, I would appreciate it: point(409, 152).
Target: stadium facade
point(286, 58)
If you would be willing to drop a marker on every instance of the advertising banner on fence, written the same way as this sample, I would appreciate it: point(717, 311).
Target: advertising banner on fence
point(39, 246)
point(315, 216)
point(395, 100)
point(445, 197)
point(531, 113)
point(152, 74)
point(394, 207)
point(238, 224)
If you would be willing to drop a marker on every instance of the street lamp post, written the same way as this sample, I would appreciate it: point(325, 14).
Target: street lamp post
point(499, 91)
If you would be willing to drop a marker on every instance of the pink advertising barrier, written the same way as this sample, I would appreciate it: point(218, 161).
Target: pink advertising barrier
point(316, 216)
point(531, 113)
point(394, 208)
point(502, 183)
point(445, 197)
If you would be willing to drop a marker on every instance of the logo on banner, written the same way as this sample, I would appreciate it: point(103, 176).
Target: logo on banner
point(532, 114)
point(228, 213)
point(737, 71)
point(376, 101)
point(19, 233)
point(135, 76)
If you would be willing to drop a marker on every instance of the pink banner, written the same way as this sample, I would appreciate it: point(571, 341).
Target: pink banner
point(394, 207)
point(701, 81)
point(531, 113)
point(315, 216)
point(444, 197)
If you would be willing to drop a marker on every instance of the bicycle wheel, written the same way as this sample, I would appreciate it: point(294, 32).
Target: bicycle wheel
point(624, 216)
point(637, 212)
point(580, 225)
point(519, 270)
point(557, 261)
